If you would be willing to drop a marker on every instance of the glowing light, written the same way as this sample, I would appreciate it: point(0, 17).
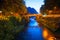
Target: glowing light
point(50, 11)
point(44, 15)
point(51, 38)
point(45, 33)
point(0, 11)
point(11, 12)
point(55, 7)
point(16, 14)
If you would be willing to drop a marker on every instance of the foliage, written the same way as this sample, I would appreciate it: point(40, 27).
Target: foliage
point(10, 26)
point(50, 5)
point(8, 29)
point(50, 23)
point(12, 6)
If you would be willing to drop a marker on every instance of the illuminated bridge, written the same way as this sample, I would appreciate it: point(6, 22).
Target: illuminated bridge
point(38, 16)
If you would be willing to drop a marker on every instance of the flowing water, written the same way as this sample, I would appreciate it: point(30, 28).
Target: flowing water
point(32, 32)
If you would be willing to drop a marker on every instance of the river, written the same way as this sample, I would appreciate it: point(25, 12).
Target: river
point(32, 32)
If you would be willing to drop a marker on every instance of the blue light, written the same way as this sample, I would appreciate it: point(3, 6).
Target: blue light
point(32, 21)
point(33, 32)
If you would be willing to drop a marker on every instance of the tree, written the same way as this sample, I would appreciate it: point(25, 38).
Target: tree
point(13, 6)
point(51, 24)
point(10, 28)
point(50, 5)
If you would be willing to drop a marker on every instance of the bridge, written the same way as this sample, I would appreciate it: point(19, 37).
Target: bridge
point(38, 16)
point(29, 15)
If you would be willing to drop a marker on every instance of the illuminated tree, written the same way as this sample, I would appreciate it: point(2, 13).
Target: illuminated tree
point(13, 6)
point(10, 26)
point(50, 5)
point(50, 23)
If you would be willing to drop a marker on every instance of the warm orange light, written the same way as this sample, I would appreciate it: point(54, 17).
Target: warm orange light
point(51, 38)
point(50, 11)
point(45, 33)
point(16, 14)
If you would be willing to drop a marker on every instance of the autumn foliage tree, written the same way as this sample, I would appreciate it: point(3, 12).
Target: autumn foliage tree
point(12, 24)
point(8, 6)
point(50, 5)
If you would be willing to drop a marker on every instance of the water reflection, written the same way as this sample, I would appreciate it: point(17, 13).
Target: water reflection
point(33, 31)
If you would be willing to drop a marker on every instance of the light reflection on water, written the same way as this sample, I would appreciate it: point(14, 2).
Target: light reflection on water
point(33, 31)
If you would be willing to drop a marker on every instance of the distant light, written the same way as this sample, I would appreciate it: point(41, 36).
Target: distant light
point(0, 11)
point(55, 7)
point(50, 11)
point(45, 33)
point(44, 15)
point(11, 12)
point(52, 38)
